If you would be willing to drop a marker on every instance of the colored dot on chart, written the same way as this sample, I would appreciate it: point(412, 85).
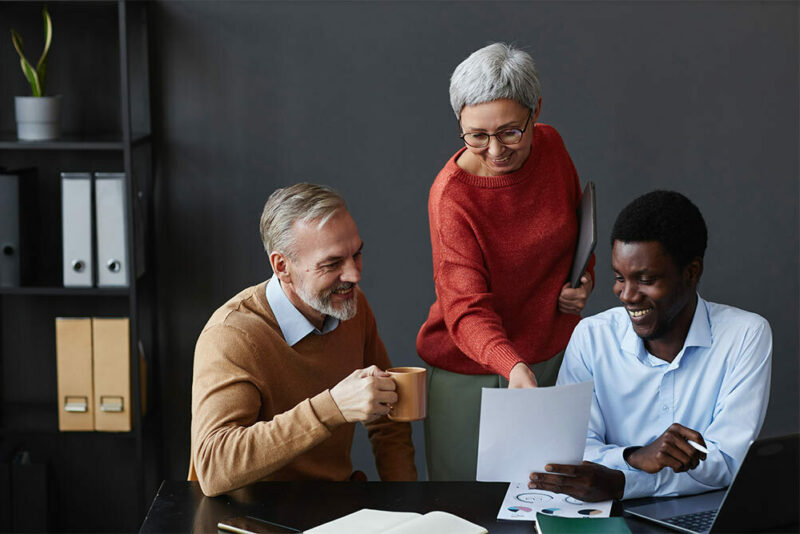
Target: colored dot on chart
point(519, 509)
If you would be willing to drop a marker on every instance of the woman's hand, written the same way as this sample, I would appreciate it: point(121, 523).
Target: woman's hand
point(573, 300)
point(521, 376)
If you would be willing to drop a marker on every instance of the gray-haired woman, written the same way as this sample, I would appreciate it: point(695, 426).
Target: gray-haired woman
point(503, 231)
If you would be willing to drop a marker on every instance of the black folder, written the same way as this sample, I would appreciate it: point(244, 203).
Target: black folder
point(587, 235)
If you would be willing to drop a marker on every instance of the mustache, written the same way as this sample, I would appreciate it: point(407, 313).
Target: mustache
point(343, 286)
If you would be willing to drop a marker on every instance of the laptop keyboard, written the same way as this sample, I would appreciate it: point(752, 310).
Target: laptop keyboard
point(699, 522)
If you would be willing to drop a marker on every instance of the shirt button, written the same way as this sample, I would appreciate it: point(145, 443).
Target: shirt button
point(664, 408)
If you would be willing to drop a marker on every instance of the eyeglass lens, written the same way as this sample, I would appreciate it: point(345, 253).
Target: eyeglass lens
point(507, 137)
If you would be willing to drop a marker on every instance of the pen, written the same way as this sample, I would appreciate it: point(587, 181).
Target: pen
point(697, 446)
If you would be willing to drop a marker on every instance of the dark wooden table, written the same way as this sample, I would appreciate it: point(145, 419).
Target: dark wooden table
point(181, 507)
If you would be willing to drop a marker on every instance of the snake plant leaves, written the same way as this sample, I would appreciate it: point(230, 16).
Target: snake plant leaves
point(27, 70)
point(41, 65)
point(36, 77)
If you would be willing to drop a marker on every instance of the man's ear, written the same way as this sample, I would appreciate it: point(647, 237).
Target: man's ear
point(693, 271)
point(280, 266)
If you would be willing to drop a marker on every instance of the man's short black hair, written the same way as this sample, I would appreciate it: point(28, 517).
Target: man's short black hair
point(667, 217)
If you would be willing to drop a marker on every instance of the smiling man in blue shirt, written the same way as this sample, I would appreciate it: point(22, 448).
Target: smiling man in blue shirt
point(669, 368)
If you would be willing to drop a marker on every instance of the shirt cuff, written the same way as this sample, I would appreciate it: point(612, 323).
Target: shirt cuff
point(327, 410)
point(638, 484)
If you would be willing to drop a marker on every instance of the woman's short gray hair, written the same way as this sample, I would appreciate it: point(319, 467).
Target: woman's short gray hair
point(493, 72)
point(299, 202)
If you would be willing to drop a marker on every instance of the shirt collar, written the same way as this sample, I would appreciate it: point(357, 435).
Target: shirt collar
point(699, 334)
point(293, 324)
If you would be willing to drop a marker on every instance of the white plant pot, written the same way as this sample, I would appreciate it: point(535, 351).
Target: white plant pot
point(38, 117)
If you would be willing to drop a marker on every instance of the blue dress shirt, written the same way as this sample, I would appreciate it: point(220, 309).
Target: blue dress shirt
point(718, 385)
point(294, 325)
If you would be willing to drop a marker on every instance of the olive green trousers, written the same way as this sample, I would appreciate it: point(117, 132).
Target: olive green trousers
point(453, 420)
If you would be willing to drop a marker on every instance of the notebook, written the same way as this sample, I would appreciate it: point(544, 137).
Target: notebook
point(366, 521)
point(763, 495)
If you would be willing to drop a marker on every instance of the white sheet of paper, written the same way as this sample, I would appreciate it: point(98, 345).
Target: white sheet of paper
point(521, 504)
point(522, 430)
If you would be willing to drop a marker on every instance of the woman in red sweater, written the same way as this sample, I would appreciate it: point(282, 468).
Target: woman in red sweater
point(503, 230)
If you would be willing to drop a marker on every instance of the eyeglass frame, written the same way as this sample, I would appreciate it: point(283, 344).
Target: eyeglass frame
point(463, 134)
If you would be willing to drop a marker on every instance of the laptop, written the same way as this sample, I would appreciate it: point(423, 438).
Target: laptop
point(763, 495)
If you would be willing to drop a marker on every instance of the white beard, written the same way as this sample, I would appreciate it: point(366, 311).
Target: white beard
point(322, 302)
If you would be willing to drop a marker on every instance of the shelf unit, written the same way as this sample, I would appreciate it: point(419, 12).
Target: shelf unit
point(99, 62)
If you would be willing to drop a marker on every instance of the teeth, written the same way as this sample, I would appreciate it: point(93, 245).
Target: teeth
point(343, 290)
point(639, 313)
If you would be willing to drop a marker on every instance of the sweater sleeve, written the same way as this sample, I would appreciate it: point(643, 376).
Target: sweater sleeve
point(391, 441)
point(462, 287)
point(230, 446)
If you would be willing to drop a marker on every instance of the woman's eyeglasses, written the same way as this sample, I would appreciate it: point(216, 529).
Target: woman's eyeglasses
point(510, 136)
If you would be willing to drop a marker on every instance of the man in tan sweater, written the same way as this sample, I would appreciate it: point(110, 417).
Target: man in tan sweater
point(284, 370)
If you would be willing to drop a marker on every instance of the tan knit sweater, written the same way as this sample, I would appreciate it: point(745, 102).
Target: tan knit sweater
point(262, 410)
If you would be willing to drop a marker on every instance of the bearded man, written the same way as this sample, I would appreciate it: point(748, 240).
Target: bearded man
point(284, 370)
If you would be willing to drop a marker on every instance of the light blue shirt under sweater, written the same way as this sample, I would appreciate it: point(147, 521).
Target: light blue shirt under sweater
point(294, 325)
point(718, 385)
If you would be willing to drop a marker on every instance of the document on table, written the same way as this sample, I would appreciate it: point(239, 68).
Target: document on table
point(522, 430)
point(521, 504)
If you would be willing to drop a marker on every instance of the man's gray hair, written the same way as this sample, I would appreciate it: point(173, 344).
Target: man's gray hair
point(299, 202)
point(493, 72)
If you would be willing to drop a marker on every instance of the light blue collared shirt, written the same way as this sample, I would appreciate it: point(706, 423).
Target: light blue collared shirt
point(718, 385)
point(294, 325)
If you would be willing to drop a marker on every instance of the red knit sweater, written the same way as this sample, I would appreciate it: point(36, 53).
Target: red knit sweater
point(502, 250)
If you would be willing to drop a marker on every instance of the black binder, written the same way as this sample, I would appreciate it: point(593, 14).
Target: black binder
point(17, 227)
point(587, 235)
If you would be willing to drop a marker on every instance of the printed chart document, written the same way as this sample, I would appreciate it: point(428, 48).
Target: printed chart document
point(522, 430)
point(367, 521)
point(521, 504)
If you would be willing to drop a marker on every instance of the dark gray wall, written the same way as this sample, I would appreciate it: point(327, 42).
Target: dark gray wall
point(697, 97)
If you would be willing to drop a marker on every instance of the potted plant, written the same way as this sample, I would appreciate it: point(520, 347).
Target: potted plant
point(38, 116)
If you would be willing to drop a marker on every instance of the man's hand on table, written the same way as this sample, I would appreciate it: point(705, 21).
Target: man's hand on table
point(588, 482)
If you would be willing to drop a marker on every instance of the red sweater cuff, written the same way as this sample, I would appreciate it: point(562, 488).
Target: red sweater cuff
point(503, 358)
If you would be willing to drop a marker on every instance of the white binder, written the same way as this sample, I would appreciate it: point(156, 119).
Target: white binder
point(76, 225)
point(112, 243)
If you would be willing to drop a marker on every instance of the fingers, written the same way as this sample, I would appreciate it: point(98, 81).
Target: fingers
point(674, 458)
point(382, 383)
point(558, 484)
point(563, 469)
point(573, 300)
point(676, 452)
point(386, 397)
point(372, 370)
point(364, 395)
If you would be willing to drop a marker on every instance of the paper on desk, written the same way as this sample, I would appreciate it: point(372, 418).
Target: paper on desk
point(521, 430)
point(521, 504)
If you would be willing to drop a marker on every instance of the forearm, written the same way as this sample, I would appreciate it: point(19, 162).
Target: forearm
point(713, 473)
point(228, 455)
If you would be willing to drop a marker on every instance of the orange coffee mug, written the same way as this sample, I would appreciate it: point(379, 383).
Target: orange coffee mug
point(411, 392)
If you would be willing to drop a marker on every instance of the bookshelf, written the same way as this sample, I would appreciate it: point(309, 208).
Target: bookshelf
point(99, 63)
